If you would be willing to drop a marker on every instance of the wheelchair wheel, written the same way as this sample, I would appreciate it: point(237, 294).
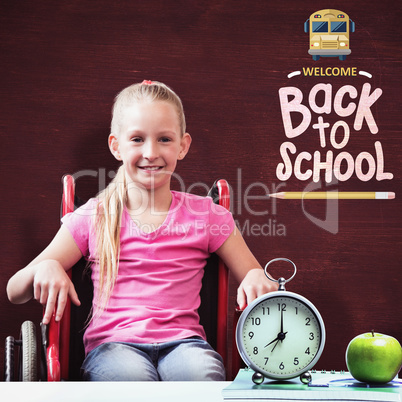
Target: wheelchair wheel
point(9, 359)
point(27, 370)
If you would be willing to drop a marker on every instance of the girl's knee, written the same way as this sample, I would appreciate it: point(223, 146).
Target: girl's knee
point(204, 371)
point(118, 362)
point(192, 362)
point(207, 366)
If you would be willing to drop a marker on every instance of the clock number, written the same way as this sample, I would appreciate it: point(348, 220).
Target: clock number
point(311, 336)
point(251, 334)
point(281, 366)
point(256, 321)
point(255, 350)
point(296, 361)
point(307, 352)
point(266, 360)
point(297, 310)
point(282, 306)
point(265, 310)
point(308, 320)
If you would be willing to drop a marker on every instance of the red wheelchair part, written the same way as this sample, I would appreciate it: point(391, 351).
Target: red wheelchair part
point(223, 284)
point(57, 353)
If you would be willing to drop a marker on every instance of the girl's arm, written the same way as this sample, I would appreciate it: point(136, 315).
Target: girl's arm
point(246, 269)
point(45, 278)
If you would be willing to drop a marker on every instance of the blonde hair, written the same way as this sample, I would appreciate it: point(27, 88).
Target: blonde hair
point(147, 91)
point(112, 199)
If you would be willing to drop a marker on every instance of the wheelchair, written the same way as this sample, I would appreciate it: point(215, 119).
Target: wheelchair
point(61, 345)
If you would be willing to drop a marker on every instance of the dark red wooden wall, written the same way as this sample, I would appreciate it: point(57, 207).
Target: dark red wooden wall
point(63, 62)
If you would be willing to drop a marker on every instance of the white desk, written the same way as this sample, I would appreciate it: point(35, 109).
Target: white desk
point(112, 391)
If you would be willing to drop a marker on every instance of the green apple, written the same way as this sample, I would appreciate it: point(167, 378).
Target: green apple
point(374, 357)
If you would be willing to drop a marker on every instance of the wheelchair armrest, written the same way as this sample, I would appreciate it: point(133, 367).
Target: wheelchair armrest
point(220, 194)
point(56, 335)
point(50, 343)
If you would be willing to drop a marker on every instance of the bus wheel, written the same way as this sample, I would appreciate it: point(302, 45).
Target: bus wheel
point(342, 58)
point(315, 58)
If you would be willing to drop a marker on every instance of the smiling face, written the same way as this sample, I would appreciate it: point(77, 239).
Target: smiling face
point(149, 144)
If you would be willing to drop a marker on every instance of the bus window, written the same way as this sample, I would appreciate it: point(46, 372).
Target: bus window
point(338, 26)
point(321, 26)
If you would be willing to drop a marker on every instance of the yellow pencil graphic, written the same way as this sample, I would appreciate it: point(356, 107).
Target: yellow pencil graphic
point(334, 195)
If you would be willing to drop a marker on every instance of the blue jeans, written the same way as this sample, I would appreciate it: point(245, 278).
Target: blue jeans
point(191, 359)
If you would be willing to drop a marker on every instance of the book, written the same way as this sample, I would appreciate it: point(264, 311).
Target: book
point(324, 386)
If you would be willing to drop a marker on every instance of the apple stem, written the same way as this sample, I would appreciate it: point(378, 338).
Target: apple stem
point(372, 332)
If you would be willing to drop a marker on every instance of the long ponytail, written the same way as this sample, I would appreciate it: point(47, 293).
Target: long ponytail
point(108, 223)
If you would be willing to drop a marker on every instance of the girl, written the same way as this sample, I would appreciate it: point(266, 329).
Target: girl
point(147, 246)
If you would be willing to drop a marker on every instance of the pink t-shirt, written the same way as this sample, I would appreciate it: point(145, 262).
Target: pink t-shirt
point(156, 295)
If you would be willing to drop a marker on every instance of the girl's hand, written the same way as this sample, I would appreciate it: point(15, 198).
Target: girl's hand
point(246, 269)
point(52, 287)
point(254, 284)
point(45, 277)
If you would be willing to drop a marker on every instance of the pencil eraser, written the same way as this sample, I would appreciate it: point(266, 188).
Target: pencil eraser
point(391, 196)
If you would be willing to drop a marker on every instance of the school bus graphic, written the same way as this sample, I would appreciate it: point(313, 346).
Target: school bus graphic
point(329, 34)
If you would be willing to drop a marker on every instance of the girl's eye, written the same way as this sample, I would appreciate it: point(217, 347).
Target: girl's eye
point(136, 139)
point(165, 139)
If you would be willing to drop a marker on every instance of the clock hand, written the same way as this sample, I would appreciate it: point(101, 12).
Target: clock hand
point(275, 340)
point(275, 345)
point(281, 336)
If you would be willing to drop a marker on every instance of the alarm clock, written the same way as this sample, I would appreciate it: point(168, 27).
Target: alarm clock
point(280, 335)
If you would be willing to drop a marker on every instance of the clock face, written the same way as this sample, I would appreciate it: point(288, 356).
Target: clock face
point(280, 335)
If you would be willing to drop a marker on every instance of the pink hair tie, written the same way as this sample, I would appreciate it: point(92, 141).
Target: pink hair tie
point(146, 82)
